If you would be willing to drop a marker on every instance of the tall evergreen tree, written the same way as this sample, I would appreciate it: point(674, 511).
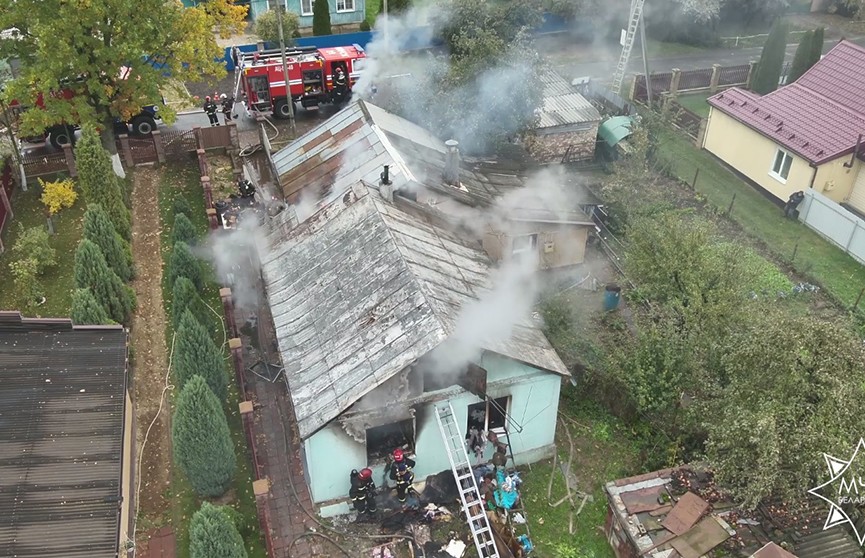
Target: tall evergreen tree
point(86, 310)
point(183, 263)
point(184, 296)
point(92, 272)
point(99, 183)
point(196, 355)
point(213, 534)
point(181, 205)
point(768, 71)
point(802, 58)
point(321, 18)
point(201, 440)
point(99, 230)
point(183, 230)
point(816, 46)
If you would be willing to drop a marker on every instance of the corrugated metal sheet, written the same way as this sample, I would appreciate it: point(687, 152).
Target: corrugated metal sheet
point(62, 403)
point(562, 106)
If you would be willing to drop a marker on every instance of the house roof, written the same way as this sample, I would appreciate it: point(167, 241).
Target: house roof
point(361, 290)
point(772, 550)
point(62, 405)
point(562, 105)
point(819, 117)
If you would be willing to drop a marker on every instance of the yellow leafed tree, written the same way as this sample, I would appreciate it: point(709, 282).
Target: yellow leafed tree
point(57, 195)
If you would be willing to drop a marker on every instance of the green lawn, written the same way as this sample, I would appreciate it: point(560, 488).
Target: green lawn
point(841, 276)
point(58, 281)
point(696, 103)
point(183, 181)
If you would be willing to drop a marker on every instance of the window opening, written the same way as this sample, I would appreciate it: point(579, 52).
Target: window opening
point(382, 440)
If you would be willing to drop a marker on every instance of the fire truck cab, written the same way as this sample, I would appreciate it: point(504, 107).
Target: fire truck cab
point(310, 74)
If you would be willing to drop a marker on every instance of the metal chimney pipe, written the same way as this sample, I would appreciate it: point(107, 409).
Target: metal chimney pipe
point(385, 175)
point(451, 172)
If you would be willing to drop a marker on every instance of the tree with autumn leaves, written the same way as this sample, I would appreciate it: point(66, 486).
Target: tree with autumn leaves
point(113, 54)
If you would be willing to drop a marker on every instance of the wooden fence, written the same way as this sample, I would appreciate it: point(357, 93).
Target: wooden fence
point(678, 81)
point(688, 121)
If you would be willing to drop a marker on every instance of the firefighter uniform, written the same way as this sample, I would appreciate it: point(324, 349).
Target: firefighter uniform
point(401, 472)
point(227, 106)
point(362, 491)
point(210, 111)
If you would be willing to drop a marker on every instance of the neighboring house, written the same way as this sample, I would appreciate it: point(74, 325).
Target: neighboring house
point(680, 513)
point(66, 439)
point(342, 12)
point(801, 136)
point(567, 129)
point(455, 192)
point(366, 291)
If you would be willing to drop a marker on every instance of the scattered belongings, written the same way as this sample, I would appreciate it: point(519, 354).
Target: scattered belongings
point(455, 548)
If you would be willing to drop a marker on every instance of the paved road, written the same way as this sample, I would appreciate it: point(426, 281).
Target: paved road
point(704, 59)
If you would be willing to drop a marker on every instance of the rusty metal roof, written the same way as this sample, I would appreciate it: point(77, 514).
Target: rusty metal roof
point(686, 513)
point(62, 406)
point(361, 290)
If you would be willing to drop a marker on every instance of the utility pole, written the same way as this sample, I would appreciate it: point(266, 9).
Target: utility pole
point(384, 6)
point(645, 60)
point(289, 99)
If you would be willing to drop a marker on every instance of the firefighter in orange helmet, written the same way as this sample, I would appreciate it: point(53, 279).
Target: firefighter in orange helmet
point(362, 491)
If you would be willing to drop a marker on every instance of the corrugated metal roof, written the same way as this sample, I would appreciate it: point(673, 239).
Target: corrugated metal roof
point(562, 106)
point(361, 290)
point(62, 404)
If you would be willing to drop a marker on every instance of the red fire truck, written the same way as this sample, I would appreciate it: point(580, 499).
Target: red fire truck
point(310, 73)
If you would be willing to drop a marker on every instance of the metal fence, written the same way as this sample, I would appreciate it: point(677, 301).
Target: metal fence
point(834, 223)
point(691, 80)
point(695, 79)
point(607, 100)
point(41, 165)
point(733, 75)
point(178, 143)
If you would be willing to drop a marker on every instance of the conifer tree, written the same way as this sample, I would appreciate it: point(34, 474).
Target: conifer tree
point(86, 310)
point(99, 230)
point(99, 183)
point(183, 263)
point(213, 534)
point(184, 230)
point(196, 355)
point(768, 71)
point(201, 440)
point(321, 18)
point(802, 58)
point(184, 296)
point(180, 205)
point(92, 272)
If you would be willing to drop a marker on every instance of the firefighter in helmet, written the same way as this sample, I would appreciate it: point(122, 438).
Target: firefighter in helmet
point(210, 110)
point(227, 106)
point(362, 491)
point(401, 472)
point(340, 85)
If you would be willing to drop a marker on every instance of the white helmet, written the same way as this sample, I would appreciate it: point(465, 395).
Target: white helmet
point(222, 96)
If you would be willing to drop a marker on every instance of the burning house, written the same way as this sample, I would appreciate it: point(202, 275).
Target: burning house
point(383, 312)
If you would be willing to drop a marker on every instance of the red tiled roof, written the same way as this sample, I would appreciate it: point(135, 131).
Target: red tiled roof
point(819, 117)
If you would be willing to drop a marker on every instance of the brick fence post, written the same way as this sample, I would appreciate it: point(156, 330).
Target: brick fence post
point(235, 345)
point(127, 151)
point(232, 135)
point(675, 76)
point(632, 88)
point(160, 147)
point(716, 76)
point(208, 192)
point(212, 220)
point(228, 309)
point(70, 160)
point(752, 67)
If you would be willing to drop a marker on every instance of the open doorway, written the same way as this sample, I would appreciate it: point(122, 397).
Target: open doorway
point(489, 415)
point(382, 440)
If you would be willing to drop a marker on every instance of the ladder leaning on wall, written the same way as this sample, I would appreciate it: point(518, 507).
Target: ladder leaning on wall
point(473, 506)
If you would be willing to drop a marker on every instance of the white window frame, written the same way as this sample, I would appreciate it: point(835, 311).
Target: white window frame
point(531, 246)
point(345, 9)
point(782, 158)
point(302, 11)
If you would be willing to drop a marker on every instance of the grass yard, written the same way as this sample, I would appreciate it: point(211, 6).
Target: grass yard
point(58, 281)
point(604, 450)
point(841, 276)
point(696, 103)
point(183, 181)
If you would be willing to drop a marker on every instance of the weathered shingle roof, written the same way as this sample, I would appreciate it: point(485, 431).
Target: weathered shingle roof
point(62, 404)
point(361, 290)
point(819, 117)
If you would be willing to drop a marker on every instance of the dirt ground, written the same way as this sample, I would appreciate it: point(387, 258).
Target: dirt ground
point(148, 342)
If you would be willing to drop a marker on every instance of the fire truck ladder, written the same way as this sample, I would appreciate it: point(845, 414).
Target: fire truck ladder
point(630, 35)
point(473, 506)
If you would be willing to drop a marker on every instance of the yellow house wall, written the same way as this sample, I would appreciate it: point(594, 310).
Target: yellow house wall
point(569, 242)
point(835, 181)
point(126, 488)
point(753, 154)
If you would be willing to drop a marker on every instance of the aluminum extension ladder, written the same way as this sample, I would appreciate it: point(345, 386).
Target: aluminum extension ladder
point(473, 506)
point(630, 36)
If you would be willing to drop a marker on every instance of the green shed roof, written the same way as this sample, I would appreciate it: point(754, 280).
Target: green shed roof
point(616, 129)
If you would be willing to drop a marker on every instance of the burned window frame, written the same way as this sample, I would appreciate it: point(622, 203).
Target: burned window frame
point(487, 405)
point(380, 456)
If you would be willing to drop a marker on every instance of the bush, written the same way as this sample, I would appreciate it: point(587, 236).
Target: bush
point(213, 534)
point(321, 18)
point(183, 231)
point(364, 25)
point(57, 195)
point(267, 26)
point(180, 205)
point(196, 355)
point(98, 182)
point(184, 297)
point(86, 310)
point(33, 244)
point(201, 440)
point(24, 277)
point(183, 263)
point(92, 272)
point(99, 230)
